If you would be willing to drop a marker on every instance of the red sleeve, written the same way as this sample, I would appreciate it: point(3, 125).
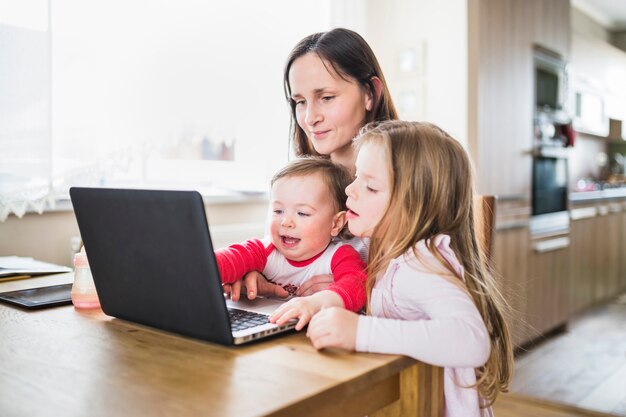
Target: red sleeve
point(237, 260)
point(350, 276)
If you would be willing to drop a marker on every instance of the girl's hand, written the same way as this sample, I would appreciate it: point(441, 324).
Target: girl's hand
point(302, 308)
point(333, 327)
point(315, 284)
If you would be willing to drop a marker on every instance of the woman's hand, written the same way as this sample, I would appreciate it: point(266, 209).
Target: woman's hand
point(333, 327)
point(315, 284)
point(253, 284)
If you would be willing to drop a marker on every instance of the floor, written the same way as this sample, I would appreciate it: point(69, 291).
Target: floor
point(516, 405)
point(583, 368)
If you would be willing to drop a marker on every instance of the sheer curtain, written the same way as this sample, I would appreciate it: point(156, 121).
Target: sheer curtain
point(25, 110)
point(177, 94)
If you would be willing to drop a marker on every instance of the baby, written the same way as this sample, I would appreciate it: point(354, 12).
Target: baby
point(308, 204)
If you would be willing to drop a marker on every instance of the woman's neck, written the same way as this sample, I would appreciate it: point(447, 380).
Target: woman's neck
point(346, 157)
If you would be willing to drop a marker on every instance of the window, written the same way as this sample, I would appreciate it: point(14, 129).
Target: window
point(180, 94)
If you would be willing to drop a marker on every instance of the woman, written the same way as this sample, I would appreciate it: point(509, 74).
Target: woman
point(334, 86)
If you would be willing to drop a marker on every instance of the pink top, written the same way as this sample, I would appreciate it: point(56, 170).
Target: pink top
point(421, 310)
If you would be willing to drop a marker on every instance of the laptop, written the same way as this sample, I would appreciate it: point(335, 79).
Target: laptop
point(152, 260)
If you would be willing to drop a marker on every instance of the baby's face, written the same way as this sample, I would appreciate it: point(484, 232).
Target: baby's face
point(303, 216)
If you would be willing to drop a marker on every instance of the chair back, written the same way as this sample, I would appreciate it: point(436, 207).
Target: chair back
point(484, 221)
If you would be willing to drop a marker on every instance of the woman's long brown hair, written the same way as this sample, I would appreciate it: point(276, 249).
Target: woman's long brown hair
point(432, 193)
point(351, 58)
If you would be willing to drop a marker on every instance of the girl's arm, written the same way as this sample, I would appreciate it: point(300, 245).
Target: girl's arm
point(304, 308)
point(452, 335)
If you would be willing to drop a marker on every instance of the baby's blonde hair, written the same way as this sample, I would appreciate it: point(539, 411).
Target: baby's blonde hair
point(432, 193)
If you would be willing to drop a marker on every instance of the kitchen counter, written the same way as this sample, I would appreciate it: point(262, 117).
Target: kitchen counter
point(597, 195)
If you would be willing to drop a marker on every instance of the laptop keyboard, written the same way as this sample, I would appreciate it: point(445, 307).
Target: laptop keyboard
point(241, 319)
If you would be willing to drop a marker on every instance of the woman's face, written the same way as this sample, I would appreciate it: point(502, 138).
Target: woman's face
point(329, 109)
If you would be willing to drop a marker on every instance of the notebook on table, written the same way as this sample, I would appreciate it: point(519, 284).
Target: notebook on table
point(152, 260)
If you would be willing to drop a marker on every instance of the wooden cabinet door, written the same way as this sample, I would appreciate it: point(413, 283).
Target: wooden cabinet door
point(607, 247)
point(550, 280)
point(510, 266)
point(622, 250)
point(612, 239)
point(583, 263)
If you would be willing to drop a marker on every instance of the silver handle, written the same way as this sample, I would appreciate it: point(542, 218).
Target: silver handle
point(583, 213)
point(552, 244)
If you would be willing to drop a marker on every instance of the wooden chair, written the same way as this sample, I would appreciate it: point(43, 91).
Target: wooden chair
point(484, 222)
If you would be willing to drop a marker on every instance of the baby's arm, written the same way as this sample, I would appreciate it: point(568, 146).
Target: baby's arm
point(348, 291)
point(349, 272)
point(236, 260)
point(304, 308)
point(315, 284)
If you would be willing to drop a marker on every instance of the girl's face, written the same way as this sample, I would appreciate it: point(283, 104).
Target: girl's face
point(304, 218)
point(329, 109)
point(369, 193)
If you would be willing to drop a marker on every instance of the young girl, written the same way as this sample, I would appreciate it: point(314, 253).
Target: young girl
point(429, 295)
point(308, 205)
point(334, 85)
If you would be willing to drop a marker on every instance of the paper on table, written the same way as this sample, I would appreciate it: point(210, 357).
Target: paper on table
point(20, 265)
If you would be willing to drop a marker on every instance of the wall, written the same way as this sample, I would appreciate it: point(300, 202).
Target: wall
point(587, 26)
point(434, 34)
point(47, 236)
point(583, 161)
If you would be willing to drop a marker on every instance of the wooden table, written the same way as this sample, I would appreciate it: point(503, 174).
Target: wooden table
point(67, 362)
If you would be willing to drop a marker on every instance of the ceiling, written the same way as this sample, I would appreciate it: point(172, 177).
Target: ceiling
point(609, 13)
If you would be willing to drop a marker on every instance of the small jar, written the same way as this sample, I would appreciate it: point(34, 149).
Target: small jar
point(84, 293)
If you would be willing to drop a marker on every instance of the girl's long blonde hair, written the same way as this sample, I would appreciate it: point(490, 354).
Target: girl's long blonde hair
point(432, 193)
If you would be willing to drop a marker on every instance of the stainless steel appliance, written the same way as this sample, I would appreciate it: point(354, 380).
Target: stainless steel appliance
point(549, 198)
point(553, 134)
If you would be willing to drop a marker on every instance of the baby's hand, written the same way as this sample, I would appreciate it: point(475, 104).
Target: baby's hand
point(302, 308)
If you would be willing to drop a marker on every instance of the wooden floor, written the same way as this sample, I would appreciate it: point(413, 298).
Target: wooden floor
point(516, 405)
point(583, 368)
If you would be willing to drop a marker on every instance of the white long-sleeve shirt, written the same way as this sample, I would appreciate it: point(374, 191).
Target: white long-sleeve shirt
point(421, 310)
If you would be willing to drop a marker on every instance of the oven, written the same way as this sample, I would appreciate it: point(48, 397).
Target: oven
point(553, 136)
point(549, 193)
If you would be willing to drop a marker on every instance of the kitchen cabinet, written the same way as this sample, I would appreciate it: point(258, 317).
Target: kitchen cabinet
point(501, 93)
point(549, 282)
point(584, 259)
point(510, 261)
point(535, 280)
point(598, 84)
point(622, 249)
point(607, 252)
point(598, 235)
